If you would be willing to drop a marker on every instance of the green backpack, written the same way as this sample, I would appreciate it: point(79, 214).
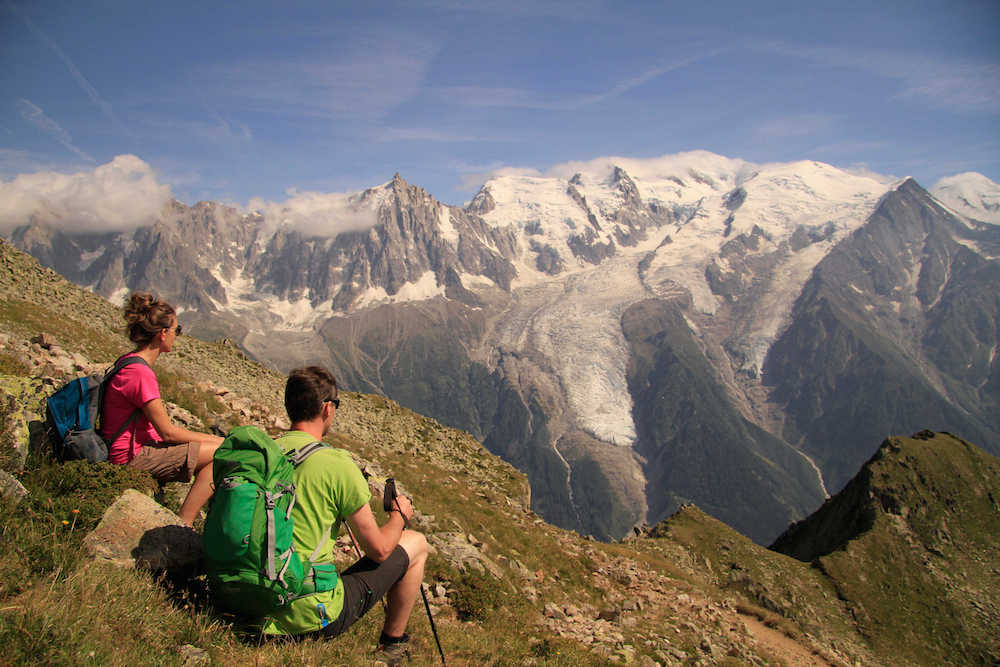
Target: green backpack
point(250, 559)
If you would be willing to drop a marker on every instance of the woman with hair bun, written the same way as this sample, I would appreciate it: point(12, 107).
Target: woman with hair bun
point(150, 441)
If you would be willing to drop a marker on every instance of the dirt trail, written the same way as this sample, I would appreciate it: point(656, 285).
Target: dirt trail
point(782, 647)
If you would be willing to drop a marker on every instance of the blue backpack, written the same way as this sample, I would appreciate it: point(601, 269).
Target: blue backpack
point(74, 411)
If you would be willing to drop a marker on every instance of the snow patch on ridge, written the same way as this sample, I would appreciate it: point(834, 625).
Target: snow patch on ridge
point(424, 288)
point(88, 258)
point(448, 230)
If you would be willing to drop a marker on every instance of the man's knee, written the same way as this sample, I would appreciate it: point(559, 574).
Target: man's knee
point(415, 546)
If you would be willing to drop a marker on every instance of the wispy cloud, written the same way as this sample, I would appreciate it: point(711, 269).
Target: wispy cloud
point(74, 71)
point(479, 96)
point(800, 125)
point(364, 79)
point(215, 130)
point(15, 161)
point(431, 135)
point(536, 9)
point(942, 82)
point(961, 85)
point(34, 115)
point(850, 147)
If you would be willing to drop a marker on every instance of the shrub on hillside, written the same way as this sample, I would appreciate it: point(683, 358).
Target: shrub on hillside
point(475, 595)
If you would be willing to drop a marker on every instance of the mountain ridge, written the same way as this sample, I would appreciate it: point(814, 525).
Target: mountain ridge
point(505, 317)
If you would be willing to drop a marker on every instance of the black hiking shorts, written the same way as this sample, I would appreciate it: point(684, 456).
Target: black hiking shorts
point(365, 583)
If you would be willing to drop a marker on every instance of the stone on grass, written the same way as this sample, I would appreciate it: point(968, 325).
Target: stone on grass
point(137, 532)
point(11, 488)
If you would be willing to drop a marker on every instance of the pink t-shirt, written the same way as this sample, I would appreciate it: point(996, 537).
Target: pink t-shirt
point(130, 389)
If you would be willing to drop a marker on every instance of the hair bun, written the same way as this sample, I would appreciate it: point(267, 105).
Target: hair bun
point(138, 306)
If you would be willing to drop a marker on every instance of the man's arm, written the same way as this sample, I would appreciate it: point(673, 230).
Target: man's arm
point(379, 541)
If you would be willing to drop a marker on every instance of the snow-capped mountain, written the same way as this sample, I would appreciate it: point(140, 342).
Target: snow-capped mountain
point(970, 194)
point(634, 334)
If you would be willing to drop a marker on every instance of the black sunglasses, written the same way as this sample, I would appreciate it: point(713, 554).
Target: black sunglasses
point(335, 401)
point(177, 331)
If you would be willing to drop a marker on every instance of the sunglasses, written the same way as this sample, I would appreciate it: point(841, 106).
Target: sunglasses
point(335, 401)
point(177, 331)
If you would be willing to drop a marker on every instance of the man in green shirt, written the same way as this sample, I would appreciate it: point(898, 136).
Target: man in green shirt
point(329, 489)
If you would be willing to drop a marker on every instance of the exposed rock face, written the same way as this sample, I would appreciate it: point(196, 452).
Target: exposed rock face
point(137, 532)
point(896, 330)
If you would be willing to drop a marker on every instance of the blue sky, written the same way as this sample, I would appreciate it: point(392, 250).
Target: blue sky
point(252, 100)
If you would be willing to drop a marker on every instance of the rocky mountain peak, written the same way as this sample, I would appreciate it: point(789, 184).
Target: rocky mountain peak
point(482, 203)
point(626, 188)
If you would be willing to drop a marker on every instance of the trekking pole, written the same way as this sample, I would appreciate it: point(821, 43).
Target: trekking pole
point(388, 498)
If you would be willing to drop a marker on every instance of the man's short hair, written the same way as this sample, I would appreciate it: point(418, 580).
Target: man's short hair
point(306, 390)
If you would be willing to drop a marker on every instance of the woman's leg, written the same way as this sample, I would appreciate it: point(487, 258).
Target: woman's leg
point(201, 490)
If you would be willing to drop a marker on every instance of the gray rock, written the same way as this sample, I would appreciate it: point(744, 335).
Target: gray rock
point(553, 611)
point(192, 655)
point(44, 341)
point(137, 532)
point(610, 615)
point(11, 487)
point(631, 605)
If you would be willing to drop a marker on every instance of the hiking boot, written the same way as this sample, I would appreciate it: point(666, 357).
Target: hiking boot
point(393, 650)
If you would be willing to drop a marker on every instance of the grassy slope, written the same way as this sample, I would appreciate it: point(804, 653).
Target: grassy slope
point(57, 607)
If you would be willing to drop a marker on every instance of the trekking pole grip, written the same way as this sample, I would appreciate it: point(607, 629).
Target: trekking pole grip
point(390, 501)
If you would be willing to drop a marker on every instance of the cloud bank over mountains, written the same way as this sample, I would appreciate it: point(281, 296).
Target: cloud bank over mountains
point(120, 195)
point(127, 193)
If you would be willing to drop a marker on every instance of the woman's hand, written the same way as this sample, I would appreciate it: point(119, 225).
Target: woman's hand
point(157, 415)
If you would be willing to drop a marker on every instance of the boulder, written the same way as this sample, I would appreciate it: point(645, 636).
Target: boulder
point(137, 532)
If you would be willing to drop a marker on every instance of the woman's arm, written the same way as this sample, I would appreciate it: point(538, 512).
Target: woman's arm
point(157, 415)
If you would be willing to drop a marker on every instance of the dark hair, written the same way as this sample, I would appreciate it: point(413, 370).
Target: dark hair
point(147, 316)
point(306, 390)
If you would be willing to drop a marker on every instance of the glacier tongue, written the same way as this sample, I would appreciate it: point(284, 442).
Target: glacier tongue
point(574, 323)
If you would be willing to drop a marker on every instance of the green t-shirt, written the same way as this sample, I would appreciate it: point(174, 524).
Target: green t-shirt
point(329, 487)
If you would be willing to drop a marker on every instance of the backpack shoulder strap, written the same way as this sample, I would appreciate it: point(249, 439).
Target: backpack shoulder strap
point(297, 456)
point(120, 364)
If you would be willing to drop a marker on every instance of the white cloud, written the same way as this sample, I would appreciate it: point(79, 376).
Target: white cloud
point(120, 195)
point(319, 213)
